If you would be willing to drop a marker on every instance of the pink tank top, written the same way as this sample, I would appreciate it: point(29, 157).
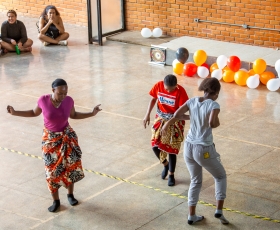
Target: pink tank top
point(55, 119)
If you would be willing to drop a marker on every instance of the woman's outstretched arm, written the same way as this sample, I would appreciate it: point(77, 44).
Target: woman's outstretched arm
point(28, 113)
point(78, 115)
point(178, 115)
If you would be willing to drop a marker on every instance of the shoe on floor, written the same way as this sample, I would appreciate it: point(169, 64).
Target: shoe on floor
point(164, 171)
point(63, 43)
point(171, 180)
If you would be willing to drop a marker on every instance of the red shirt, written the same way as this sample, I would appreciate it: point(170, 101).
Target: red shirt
point(169, 102)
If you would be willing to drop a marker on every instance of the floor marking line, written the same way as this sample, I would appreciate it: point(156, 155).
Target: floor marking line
point(114, 185)
point(28, 217)
point(248, 142)
point(160, 190)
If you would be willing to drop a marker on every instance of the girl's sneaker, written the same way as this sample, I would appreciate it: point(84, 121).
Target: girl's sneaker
point(63, 43)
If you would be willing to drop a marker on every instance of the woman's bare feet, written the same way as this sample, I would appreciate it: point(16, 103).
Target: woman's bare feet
point(27, 49)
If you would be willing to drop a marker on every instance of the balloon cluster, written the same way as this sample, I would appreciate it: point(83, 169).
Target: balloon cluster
point(227, 69)
point(146, 32)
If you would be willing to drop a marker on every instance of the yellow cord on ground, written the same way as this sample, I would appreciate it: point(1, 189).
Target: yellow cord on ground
point(155, 189)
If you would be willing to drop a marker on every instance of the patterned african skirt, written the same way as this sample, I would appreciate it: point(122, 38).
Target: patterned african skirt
point(170, 143)
point(62, 158)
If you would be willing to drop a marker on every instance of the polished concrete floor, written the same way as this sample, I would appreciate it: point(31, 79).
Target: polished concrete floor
point(114, 143)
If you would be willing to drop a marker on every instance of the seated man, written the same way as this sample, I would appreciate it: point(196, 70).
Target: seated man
point(51, 28)
point(13, 32)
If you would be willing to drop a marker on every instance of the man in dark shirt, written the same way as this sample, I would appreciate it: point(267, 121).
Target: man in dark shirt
point(13, 32)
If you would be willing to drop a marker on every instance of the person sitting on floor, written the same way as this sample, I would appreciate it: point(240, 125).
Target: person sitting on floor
point(51, 29)
point(13, 32)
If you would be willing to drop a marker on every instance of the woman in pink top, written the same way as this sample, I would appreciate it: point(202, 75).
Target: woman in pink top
point(61, 151)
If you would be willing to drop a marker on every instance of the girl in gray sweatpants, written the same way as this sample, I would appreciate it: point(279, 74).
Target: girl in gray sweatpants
point(199, 149)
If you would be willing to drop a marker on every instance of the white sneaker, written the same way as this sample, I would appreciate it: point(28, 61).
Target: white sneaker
point(46, 43)
point(63, 43)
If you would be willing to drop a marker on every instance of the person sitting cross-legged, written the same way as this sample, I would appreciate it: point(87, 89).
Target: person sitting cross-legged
point(51, 28)
point(13, 32)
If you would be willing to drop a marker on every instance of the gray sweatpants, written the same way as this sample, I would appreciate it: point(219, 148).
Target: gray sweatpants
point(198, 156)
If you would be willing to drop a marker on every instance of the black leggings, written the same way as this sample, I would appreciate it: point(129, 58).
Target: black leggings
point(172, 159)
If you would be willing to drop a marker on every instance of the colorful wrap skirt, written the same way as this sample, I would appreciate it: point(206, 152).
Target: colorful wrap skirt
point(62, 158)
point(170, 143)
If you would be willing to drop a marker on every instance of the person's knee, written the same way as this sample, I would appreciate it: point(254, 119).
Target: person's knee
point(221, 177)
point(30, 42)
point(4, 43)
point(41, 36)
point(67, 35)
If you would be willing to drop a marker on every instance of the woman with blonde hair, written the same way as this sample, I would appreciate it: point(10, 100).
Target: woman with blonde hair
point(51, 28)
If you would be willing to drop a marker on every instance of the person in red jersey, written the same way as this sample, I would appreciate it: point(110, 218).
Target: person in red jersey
point(168, 96)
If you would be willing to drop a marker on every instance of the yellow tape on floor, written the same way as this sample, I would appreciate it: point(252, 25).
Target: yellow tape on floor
point(155, 189)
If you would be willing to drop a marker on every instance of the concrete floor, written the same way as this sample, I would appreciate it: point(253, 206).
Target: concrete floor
point(118, 76)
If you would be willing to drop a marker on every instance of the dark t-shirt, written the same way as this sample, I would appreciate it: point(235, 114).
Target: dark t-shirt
point(16, 31)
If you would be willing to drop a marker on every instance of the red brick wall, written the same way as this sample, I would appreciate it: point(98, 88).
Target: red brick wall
point(72, 11)
point(176, 18)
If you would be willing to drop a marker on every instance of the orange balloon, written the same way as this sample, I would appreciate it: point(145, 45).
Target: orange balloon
point(213, 67)
point(240, 77)
point(199, 57)
point(266, 76)
point(251, 72)
point(228, 76)
point(178, 68)
point(226, 68)
point(259, 66)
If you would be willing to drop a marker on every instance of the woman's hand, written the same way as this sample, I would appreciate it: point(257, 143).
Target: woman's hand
point(96, 110)
point(10, 110)
point(164, 129)
point(146, 120)
point(13, 42)
point(20, 46)
point(50, 21)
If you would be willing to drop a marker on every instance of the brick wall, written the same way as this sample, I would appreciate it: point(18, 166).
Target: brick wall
point(72, 11)
point(176, 18)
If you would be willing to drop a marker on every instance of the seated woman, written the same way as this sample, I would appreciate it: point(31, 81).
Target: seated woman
point(51, 29)
point(13, 32)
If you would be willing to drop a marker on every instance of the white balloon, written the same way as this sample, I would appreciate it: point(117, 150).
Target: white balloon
point(217, 73)
point(202, 71)
point(157, 32)
point(175, 62)
point(273, 84)
point(146, 32)
point(253, 81)
point(277, 66)
point(222, 61)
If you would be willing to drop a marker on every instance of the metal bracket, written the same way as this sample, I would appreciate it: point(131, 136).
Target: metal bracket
point(245, 26)
point(196, 19)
